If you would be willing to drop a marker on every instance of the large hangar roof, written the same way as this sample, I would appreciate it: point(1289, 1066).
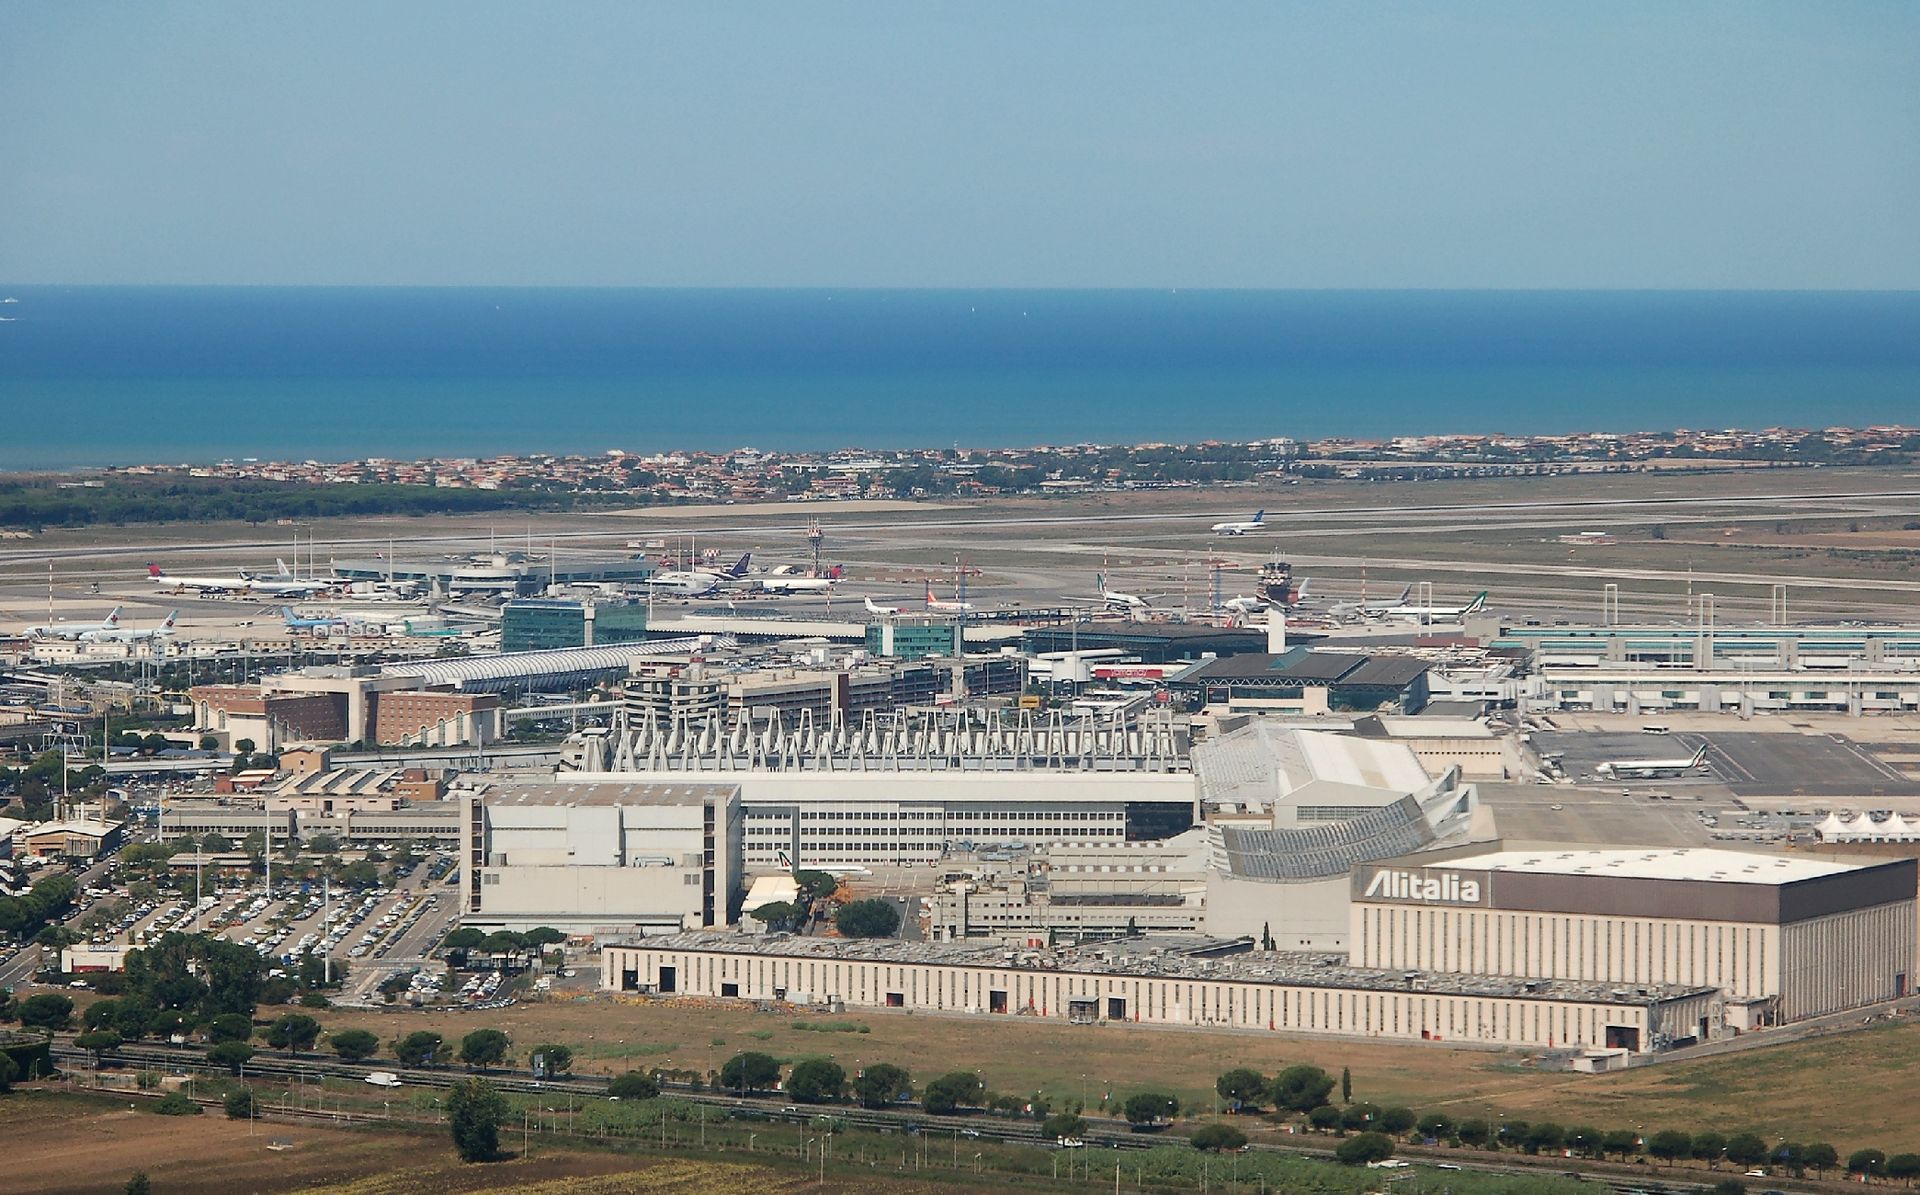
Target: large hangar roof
point(1317, 852)
point(1679, 863)
point(507, 669)
point(1248, 760)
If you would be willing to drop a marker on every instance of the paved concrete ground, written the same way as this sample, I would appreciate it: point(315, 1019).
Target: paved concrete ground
point(1580, 814)
point(1779, 764)
point(1582, 752)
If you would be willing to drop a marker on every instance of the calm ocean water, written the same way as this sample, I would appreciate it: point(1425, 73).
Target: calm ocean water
point(116, 375)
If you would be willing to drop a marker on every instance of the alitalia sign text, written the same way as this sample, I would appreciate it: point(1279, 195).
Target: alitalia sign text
point(1445, 888)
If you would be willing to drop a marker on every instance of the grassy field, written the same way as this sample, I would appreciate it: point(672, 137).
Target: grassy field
point(1845, 1089)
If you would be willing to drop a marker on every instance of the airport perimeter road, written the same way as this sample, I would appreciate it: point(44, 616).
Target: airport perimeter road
point(20, 968)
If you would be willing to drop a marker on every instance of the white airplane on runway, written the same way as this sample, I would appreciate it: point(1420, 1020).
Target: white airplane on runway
point(1116, 600)
point(873, 609)
point(1369, 609)
point(698, 582)
point(782, 583)
point(129, 635)
point(75, 630)
point(1257, 523)
point(1436, 613)
point(1648, 769)
point(245, 582)
point(948, 607)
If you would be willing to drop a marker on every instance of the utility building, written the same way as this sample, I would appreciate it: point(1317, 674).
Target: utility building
point(604, 857)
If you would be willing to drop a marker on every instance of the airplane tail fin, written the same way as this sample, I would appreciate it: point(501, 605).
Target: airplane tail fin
point(173, 616)
point(280, 566)
point(1478, 604)
point(1300, 594)
point(1260, 516)
point(153, 570)
point(739, 568)
point(1406, 593)
point(833, 574)
point(1699, 757)
point(113, 619)
point(1100, 584)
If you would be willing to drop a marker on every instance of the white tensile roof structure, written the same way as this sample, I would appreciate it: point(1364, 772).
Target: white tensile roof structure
point(1863, 828)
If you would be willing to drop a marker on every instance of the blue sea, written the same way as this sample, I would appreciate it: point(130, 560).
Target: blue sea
point(101, 375)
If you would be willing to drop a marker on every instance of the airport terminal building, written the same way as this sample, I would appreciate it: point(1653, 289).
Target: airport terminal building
point(1783, 937)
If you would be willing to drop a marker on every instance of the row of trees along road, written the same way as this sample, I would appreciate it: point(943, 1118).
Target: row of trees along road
point(1306, 1091)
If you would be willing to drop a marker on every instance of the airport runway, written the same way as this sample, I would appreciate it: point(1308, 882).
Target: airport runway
point(1041, 558)
point(1092, 520)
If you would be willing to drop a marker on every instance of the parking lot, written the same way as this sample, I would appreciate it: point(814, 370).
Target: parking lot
point(298, 916)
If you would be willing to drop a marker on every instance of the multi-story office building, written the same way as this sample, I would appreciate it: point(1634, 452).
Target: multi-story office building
point(904, 638)
point(536, 624)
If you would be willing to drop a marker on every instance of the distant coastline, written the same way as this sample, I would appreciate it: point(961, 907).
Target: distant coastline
point(264, 491)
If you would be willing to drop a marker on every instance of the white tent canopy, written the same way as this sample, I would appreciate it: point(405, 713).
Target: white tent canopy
point(1862, 828)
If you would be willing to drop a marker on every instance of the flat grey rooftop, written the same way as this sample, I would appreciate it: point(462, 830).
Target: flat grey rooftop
point(1178, 958)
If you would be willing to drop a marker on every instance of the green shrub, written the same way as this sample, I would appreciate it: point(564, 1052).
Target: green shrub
point(176, 1103)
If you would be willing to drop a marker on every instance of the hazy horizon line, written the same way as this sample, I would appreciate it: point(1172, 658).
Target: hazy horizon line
point(932, 288)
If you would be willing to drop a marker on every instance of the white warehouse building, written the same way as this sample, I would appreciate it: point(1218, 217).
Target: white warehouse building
point(1160, 984)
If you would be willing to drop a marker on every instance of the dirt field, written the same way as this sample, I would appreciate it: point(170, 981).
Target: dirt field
point(59, 1144)
point(1845, 1089)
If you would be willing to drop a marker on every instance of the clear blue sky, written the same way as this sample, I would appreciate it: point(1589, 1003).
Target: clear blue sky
point(1267, 144)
